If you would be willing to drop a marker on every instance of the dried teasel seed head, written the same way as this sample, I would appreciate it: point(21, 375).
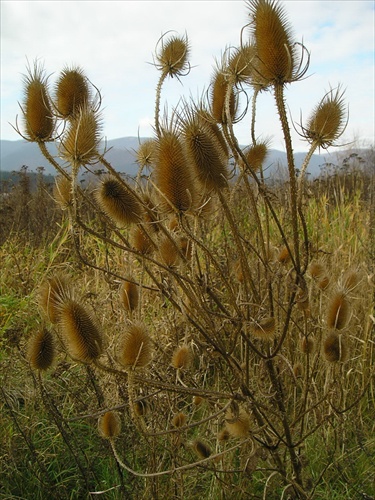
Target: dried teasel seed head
point(41, 350)
point(204, 152)
point(82, 337)
point(179, 420)
point(173, 174)
point(173, 56)
point(140, 408)
point(238, 422)
point(307, 345)
point(327, 121)
point(37, 113)
point(302, 299)
point(324, 282)
point(186, 247)
point(197, 400)
point(350, 280)
point(62, 192)
point(201, 449)
point(223, 435)
point(284, 256)
point(52, 293)
point(298, 370)
point(219, 88)
point(129, 295)
point(71, 92)
point(146, 154)
point(265, 329)
point(240, 64)
point(277, 61)
point(206, 117)
point(135, 349)
point(256, 155)
point(141, 241)
point(81, 140)
point(316, 270)
point(109, 425)
point(118, 202)
point(335, 347)
point(338, 311)
point(182, 357)
point(168, 251)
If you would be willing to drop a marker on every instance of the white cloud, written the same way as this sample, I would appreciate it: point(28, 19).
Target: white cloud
point(113, 42)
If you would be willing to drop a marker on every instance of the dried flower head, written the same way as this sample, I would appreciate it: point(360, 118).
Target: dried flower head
point(182, 357)
point(237, 422)
point(316, 270)
point(71, 92)
point(81, 334)
point(62, 192)
point(307, 345)
point(338, 311)
point(256, 155)
point(219, 88)
point(52, 293)
point(140, 407)
point(141, 240)
point(129, 295)
point(41, 350)
point(298, 370)
point(37, 113)
point(135, 349)
point(179, 419)
point(335, 348)
point(201, 449)
point(109, 425)
point(146, 153)
point(324, 282)
point(172, 58)
point(264, 329)
point(240, 66)
point(118, 202)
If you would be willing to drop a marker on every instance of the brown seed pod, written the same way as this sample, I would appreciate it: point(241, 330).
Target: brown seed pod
point(182, 357)
point(62, 192)
point(256, 155)
point(146, 154)
point(80, 143)
point(71, 92)
point(335, 348)
point(82, 337)
point(317, 270)
point(204, 152)
point(129, 295)
point(118, 202)
point(52, 293)
point(135, 349)
point(338, 311)
point(223, 435)
point(186, 247)
point(201, 449)
point(219, 89)
point(168, 251)
point(265, 329)
point(38, 118)
point(197, 400)
point(307, 345)
point(172, 59)
point(109, 425)
point(240, 64)
point(140, 408)
point(41, 350)
point(283, 256)
point(179, 420)
point(141, 241)
point(272, 35)
point(215, 130)
point(324, 282)
point(237, 423)
point(298, 370)
point(173, 176)
point(350, 280)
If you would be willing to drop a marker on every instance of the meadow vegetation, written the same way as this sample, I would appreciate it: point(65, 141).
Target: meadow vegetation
point(201, 329)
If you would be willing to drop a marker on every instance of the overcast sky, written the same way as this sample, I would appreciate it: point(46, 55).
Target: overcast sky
point(114, 42)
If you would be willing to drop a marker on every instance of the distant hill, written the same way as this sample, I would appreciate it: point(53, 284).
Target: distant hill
point(121, 154)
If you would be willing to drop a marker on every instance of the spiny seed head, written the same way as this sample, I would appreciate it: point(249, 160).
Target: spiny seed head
point(219, 88)
point(129, 295)
point(109, 425)
point(204, 152)
point(197, 400)
point(179, 420)
point(223, 435)
point(256, 155)
point(335, 348)
point(38, 119)
point(186, 247)
point(81, 335)
point(316, 270)
point(62, 192)
point(272, 36)
point(237, 422)
point(201, 449)
point(168, 251)
point(146, 153)
point(118, 202)
point(80, 143)
point(302, 298)
point(350, 280)
point(52, 293)
point(135, 350)
point(264, 329)
point(338, 311)
point(141, 241)
point(324, 282)
point(327, 121)
point(41, 350)
point(173, 57)
point(71, 92)
point(298, 370)
point(173, 174)
point(182, 357)
point(307, 345)
point(283, 256)
point(216, 131)
point(240, 64)
point(140, 408)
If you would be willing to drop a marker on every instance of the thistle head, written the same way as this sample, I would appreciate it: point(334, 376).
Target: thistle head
point(39, 123)
point(338, 311)
point(52, 293)
point(145, 154)
point(237, 422)
point(220, 86)
point(335, 348)
point(129, 295)
point(135, 349)
point(62, 192)
point(173, 56)
point(256, 154)
point(182, 357)
point(264, 329)
point(72, 92)
point(41, 350)
point(109, 425)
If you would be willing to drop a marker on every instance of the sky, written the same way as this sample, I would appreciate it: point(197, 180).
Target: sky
point(114, 43)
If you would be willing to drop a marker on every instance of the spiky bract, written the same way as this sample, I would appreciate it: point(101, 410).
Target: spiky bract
point(118, 202)
point(52, 293)
point(82, 337)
